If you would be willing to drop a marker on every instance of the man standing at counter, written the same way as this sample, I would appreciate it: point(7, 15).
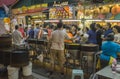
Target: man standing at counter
point(57, 46)
point(17, 36)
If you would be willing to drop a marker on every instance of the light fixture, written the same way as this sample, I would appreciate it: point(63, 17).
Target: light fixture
point(97, 20)
point(37, 21)
point(112, 20)
point(51, 21)
point(71, 20)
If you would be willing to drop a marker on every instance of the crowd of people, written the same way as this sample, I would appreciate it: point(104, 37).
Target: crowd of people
point(94, 34)
point(62, 33)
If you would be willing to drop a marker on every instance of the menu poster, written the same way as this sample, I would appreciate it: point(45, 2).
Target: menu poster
point(65, 12)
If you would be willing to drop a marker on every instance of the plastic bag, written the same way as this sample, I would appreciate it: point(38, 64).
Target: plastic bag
point(40, 57)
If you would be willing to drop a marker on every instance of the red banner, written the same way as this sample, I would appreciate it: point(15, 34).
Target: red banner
point(7, 2)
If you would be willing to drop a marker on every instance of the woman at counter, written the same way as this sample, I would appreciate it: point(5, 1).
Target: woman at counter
point(109, 49)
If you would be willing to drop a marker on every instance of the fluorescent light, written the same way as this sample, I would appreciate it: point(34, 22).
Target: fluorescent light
point(51, 21)
point(38, 21)
point(66, 20)
point(112, 20)
point(94, 20)
point(70, 20)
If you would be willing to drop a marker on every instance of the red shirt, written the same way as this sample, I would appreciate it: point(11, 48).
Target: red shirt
point(22, 31)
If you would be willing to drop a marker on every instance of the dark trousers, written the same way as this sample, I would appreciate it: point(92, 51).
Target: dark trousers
point(104, 63)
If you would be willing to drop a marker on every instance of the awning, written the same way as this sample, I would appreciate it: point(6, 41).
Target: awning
point(7, 2)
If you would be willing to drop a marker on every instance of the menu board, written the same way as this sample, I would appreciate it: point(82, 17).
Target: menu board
point(65, 12)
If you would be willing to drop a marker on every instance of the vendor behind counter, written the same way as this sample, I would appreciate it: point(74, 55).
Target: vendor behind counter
point(70, 35)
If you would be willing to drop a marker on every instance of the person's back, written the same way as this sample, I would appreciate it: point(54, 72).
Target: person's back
point(17, 36)
point(36, 31)
point(92, 37)
point(108, 29)
point(109, 49)
point(31, 33)
point(92, 34)
point(21, 29)
point(58, 37)
point(57, 47)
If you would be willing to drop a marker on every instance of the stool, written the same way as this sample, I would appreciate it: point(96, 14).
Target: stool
point(77, 72)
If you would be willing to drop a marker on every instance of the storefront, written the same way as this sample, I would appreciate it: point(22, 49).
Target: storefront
point(28, 15)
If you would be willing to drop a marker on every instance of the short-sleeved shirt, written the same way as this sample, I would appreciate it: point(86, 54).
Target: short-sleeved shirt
point(22, 31)
point(36, 31)
point(92, 37)
point(57, 39)
point(17, 37)
point(107, 32)
point(117, 37)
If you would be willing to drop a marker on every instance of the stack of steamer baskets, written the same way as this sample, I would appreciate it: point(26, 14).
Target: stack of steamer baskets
point(19, 56)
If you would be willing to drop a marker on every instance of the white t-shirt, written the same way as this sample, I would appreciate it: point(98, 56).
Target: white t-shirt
point(17, 37)
point(117, 37)
point(57, 39)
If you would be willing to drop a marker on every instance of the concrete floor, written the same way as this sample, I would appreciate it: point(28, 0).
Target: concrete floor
point(34, 76)
point(37, 76)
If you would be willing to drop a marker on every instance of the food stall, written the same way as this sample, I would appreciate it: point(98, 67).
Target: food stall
point(28, 15)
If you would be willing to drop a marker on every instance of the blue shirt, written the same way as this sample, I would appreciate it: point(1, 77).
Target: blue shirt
point(107, 32)
point(36, 31)
point(109, 48)
point(92, 37)
point(30, 33)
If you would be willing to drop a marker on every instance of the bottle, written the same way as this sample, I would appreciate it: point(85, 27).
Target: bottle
point(114, 65)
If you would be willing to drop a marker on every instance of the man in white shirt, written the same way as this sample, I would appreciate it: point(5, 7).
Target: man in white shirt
point(57, 46)
point(17, 36)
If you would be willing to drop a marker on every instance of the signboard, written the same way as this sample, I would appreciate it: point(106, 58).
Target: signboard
point(65, 12)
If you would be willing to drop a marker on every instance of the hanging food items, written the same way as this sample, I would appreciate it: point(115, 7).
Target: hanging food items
point(105, 9)
point(66, 8)
point(6, 23)
point(115, 9)
point(70, 12)
point(24, 9)
point(87, 12)
point(52, 13)
point(80, 14)
point(96, 11)
point(38, 8)
point(118, 9)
